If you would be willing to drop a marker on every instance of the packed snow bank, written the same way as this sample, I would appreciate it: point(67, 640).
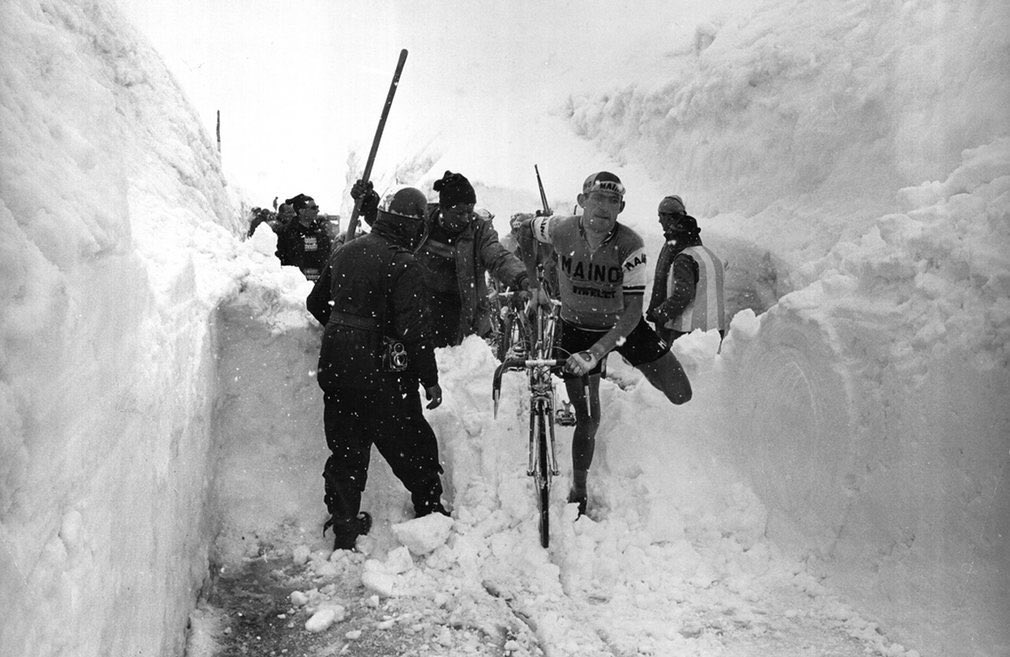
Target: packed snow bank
point(807, 117)
point(875, 408)
point(863, 148)
point(269, 446)
point(112, 207)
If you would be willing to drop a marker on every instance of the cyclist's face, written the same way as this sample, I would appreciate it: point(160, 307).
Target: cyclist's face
point(600, 210)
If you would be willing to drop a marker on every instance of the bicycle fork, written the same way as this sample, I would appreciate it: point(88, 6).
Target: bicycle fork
point(542, 407)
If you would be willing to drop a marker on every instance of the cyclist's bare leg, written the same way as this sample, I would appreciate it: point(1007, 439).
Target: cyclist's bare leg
point(587, 423)
point(666, 374)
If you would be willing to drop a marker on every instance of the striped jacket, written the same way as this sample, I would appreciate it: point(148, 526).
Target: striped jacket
point(687, 291)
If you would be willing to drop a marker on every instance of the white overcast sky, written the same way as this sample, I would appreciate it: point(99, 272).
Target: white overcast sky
point(299, 84)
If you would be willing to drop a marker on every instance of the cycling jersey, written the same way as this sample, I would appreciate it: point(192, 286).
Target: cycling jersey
point(593, 283)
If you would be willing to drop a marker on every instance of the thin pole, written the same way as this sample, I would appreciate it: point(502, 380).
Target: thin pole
point(352, 225)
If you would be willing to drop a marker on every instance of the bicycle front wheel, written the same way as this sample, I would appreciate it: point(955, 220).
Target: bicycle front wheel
point(542, 475)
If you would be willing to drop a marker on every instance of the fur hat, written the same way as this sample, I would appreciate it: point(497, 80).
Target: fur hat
point(453, 189)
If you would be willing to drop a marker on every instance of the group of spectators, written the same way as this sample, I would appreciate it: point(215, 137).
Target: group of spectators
point(418, 281)
point(305, 238)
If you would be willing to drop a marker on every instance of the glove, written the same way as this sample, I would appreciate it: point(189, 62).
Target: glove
point(369, 199)
point(360, 188)
point(434, 396)
point(659, 316)
point(581, 363)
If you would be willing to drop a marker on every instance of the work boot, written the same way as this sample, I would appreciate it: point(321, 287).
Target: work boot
point(428, 509)
point(347, 530)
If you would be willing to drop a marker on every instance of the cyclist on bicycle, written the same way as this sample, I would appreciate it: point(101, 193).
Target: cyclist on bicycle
point(602, 275)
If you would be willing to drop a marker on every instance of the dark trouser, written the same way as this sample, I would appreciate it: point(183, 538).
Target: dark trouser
point(394, 422)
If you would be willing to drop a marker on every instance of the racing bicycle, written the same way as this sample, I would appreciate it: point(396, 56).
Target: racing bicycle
point(530, 347)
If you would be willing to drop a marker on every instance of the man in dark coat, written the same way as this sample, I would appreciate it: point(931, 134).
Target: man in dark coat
point(375, 351)
point(459, 247)
point(305, 241)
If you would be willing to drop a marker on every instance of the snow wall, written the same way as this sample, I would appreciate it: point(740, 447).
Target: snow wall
point(108, 455)
point(106, 340)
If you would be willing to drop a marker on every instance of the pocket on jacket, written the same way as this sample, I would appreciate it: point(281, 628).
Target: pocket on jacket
point(350, 358)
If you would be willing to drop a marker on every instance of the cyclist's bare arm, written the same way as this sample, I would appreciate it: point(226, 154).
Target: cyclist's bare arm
point(625, 325)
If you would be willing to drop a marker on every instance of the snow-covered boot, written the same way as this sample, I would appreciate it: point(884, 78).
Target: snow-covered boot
point(347, 530)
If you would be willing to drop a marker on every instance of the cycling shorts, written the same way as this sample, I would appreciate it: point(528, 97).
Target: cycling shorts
point(643, 345)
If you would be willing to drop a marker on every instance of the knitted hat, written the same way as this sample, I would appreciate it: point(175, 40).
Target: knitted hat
point(453, 189)
point(603, 181)
point(672, 205)
point(300, 202)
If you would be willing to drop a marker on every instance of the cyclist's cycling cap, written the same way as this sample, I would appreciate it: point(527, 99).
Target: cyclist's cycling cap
point(405, 202)
point(604, 181)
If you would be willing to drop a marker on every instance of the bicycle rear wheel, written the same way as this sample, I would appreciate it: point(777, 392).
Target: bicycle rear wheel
point(541, 475)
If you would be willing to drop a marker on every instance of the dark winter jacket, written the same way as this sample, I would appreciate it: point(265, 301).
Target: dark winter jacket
point(454, 276)
point(305, 247)
point(369, 295)
point(666, 304)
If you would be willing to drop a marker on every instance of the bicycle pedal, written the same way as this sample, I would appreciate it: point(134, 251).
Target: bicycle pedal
point(564, 418)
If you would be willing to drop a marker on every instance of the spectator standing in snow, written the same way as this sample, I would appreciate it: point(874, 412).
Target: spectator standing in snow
point(376, 350)
point(601, 282)
point(260, 216)
point(306, 240)
point(285, 215)
point(457, 250)
point(687, 290)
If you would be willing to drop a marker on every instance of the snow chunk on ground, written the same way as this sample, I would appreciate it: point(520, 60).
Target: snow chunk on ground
point(326, 615)
point(423, 535)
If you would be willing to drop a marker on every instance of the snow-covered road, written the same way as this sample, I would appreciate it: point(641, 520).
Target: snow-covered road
point(673, 558)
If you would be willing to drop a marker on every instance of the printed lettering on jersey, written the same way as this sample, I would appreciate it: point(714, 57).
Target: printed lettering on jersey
point(635, 272)
point(580, 270)
point(310, 243)
point(541, 229)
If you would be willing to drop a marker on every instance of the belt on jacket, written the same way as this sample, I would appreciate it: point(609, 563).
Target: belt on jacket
point(355, 321)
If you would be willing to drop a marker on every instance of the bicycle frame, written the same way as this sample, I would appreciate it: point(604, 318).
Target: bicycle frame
point(539, 366)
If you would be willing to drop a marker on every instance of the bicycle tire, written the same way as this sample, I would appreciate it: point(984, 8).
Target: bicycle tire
point(542, 477)
point(504, 338)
